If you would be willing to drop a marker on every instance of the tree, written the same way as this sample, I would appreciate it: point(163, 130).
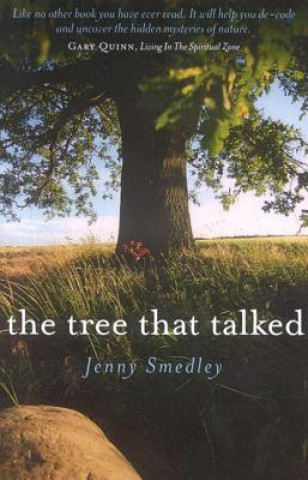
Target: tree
point(61, 109)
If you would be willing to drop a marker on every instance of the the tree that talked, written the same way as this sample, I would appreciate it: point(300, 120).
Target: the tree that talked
point(62, 111)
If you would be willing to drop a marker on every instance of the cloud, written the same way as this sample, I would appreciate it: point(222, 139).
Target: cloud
point(244, 218)
point(60, 230)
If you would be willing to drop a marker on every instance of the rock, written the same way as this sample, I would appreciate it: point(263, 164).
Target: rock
point(51, 443)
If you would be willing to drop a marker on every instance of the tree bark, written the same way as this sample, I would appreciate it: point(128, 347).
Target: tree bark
point(154, 195)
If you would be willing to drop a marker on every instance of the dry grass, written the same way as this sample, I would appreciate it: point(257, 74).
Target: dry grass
point(17, 263)
point(21, 262)
point(257, 250)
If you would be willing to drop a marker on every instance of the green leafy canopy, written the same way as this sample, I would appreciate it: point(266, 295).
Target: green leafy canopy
point(58, 111)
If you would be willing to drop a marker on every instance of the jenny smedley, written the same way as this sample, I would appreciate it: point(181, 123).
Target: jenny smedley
point(153, 365)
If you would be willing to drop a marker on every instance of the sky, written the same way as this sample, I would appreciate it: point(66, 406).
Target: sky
point(208, 220)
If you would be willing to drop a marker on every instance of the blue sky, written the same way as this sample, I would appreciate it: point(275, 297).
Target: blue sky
point(209, 219)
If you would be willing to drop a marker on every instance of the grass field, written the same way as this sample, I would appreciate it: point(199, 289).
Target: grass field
point(249, 424)
point(20, 262)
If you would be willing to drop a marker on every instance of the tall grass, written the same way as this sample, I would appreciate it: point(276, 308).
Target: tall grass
point(224, 277)
point(264, 378)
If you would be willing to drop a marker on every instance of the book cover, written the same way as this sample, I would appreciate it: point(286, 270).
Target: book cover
point(153, 256)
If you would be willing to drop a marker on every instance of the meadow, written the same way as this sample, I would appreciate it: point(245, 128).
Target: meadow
point(249, 423)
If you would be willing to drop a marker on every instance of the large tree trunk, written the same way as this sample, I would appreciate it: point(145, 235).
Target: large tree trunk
point(154, 196)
